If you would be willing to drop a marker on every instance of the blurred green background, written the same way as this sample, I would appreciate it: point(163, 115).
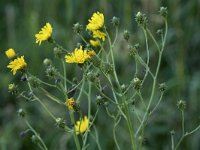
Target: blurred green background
point(22, 19)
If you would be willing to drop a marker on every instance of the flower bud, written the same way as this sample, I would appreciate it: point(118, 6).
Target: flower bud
point(77, 28)
point(10, 53)
point(52, 72)
point(93, 77)
point(172, 132)
point(47, 62)
point(35, 139)
point(162, 87)
point(58, 53)
point(21, 113)
point(100, 100)
point(123, 87)
point(60, 122)
point(132, 50)
point(107, 68)
point(126, 35)
point(163, 11)
point(159, 32)
point(141, 19)
point(12, 88)
point(181, 105)
point(115, 21)
point(34, 82)
point(137, 83)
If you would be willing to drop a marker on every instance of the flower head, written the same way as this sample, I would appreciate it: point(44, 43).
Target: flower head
point(17, 64)
point(96, 22)
point(79, 56)
point(70, 103)
point(95, 43)
point(81, 125)
point(44, 34)
point(10, 53)
point(99, 34)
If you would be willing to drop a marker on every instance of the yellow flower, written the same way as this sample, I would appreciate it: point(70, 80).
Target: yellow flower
point(98, 34)
point(96, 22)
point(17, 64)
point(44, 34)
point(10, 53)
point(95, 43)
point(70, 103)
point(81, 125)
point(79, 56)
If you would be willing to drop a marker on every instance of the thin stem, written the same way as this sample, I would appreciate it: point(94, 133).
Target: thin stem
point(30, 88)
point(183, 122)
point(160, 99)
point(147, 50)
point(141, 98)
point(81, 89)
point(151, 35)
point(172, 141)
point(53, 98)
point(154, 81)
point(64, 74)
point(36, 134)
point(114, 134)
point(89, 112)
point(74, 133)
point(83, 39)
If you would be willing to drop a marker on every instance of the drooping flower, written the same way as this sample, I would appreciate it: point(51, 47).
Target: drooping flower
point(96, 22)
point(99, 34)
point(44, 34)
point(17, 64)
point(79, 56)
point(70, 103)
point(81, 125)
point(95, 43)
point(10, 53)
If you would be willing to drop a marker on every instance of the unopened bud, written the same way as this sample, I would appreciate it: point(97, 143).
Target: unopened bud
point(47, 62)
point(60, 122)
point(12, 88)
point(162, 87)
point(126, 35)
point(137, 83)
point(115, 21)
point(181, 105)
point(35, 139)
point(163, 11)
point(77, 28)
point(21, 113)
point(141, 19)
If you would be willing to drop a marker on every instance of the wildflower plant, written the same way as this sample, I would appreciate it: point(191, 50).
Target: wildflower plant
point(96, 60)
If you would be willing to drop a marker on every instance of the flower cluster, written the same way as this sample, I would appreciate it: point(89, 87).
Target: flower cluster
point(95, 25)
point(17, 64)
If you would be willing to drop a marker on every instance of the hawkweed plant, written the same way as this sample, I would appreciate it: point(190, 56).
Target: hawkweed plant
point(96, 60)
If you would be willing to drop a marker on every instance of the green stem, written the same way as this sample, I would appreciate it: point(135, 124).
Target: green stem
point(64, 74)
point(36, 134)
point(148, 57)
point(172, 141)
point(74, 133)
point(154, 82)
point(127, 113)
point(183, 122)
